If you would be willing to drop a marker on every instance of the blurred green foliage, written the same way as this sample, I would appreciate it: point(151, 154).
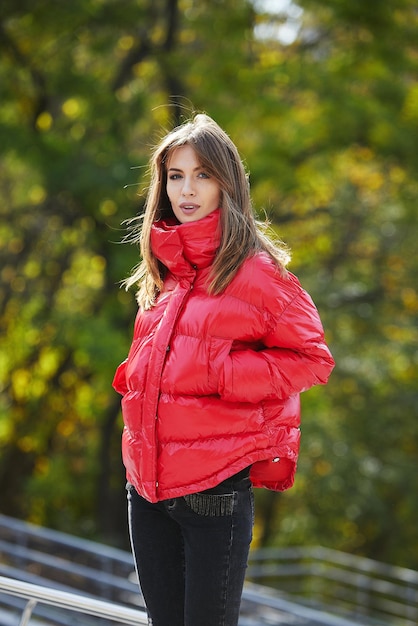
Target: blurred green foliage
point(322, 100)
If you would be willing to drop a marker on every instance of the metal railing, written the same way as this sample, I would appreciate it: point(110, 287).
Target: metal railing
point(330, 585)
point(36, 594)
point(353, 585)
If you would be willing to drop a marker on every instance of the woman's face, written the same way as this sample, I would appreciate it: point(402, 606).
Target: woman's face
point(193, 193)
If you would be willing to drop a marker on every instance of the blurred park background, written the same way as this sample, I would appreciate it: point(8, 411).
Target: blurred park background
point(321, 98)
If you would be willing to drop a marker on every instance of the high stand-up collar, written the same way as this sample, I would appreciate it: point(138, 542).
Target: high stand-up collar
point(183, 248)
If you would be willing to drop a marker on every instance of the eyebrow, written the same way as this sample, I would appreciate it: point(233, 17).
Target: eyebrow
point(178, 169)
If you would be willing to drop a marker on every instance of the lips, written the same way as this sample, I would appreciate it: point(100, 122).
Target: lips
point(189, 207)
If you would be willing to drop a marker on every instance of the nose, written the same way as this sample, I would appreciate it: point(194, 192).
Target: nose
point(188, 189)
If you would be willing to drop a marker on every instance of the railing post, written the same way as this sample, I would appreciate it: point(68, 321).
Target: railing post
point(27, 613)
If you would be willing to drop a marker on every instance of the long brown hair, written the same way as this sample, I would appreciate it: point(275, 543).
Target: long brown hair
point(241, 234)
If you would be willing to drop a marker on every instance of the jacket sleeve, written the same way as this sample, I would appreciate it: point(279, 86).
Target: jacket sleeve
point(119, 380)
point(294, 358)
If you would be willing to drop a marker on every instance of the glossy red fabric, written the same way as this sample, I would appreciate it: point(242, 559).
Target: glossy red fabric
point(211, 383)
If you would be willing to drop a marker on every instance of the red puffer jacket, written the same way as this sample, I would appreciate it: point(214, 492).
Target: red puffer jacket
point(211, 383)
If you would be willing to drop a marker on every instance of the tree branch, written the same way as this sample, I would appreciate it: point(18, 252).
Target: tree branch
point(41, 100)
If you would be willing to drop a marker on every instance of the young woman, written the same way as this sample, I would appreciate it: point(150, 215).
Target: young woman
point(224, 342)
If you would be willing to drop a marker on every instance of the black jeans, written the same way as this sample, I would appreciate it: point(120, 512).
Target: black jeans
point(191, 553)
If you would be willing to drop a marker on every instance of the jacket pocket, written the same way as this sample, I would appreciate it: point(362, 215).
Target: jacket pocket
point(219, 350)
point(193, 365)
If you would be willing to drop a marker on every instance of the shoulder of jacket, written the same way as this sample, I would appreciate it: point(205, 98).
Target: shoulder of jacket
point(263, 268)
point(262, 283)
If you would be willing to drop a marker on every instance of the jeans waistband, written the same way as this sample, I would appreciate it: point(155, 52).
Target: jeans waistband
point(230, 483)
